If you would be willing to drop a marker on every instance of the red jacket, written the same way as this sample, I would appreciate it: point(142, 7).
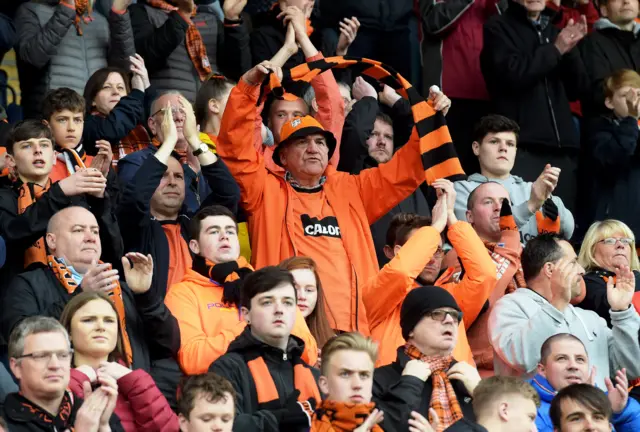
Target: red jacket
point(140, 405)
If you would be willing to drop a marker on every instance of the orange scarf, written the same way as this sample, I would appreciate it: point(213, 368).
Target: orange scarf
point(65, 277)
point(72, 158)
point(266, 389)
point(443, 398)
point(195, 46)
point(83, 13)
point(29, 193)
point(333, 416)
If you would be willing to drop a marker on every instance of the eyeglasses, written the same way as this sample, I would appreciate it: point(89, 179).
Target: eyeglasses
point(610, 241)
point(174, 110)
point(441, 315)
point(44, 357)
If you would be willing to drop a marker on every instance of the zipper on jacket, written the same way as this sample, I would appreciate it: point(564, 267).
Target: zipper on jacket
point(546, 88)
point(284, 356)
point(356, 276)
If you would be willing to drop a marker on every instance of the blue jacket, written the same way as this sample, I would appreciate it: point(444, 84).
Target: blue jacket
point(627, 421)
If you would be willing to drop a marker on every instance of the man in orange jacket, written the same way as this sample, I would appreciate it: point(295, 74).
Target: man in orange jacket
point(314, 210)
point(206, 302)
point(417, 255)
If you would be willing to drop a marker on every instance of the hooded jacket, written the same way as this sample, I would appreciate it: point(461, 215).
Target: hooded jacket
point(521, 321)
point(266, 197)
point(610, 172)
point(233, 367)
point(160, 40)
point(519, 193)
point(416, 393)
point(51, 54)
point(606, 50)
point(384, 295)
point(528, 79)
point(208, 326)
point(626, 421)
point(140, 406)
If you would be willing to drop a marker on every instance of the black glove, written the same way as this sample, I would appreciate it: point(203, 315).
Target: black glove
point(550, 210)
point(295, 415)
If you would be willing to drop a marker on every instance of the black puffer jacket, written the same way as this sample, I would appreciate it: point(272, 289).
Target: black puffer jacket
point(596, 297)
point(250, 415)
point(528, 80)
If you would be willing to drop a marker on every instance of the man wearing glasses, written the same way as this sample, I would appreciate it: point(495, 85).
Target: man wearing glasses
point(429, 319)
point(40, 357)
point(521, 321)
point(415, 249)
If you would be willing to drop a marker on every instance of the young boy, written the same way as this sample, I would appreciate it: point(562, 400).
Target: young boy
point(27, 205)
point(611, 168)
point(276, 389)
point(206, 403)
point(63, 111)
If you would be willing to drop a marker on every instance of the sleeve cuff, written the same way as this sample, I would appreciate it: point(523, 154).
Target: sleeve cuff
point(70, 6)
point(118, 12)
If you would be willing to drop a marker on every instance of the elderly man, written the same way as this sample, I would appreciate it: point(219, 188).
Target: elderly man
point(313, 210)
point(40, 356)
point(73, 238)
point(429, 320)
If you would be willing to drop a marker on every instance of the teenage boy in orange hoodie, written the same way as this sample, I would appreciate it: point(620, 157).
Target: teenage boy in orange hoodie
point(206, 302)
point(417, 256)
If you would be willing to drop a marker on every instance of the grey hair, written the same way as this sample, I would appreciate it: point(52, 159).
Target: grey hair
point(31, 326)
point(166, 93)
point(309, 96)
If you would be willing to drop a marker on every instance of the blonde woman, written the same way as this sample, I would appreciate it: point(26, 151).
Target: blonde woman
point(608, 251)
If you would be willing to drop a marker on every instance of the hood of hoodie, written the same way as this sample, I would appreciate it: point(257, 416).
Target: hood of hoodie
point(511, 180)
point(543, 387)
point(604, 23)
point(192, 276)
point(247, 342)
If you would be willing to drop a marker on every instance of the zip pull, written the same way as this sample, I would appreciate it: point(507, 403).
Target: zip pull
point(284, 356)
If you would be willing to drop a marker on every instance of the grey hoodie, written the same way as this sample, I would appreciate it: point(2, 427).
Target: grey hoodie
point(604, 23)
point(519, 192)
point(520, 322)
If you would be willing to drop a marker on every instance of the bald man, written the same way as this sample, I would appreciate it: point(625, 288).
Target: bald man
point(73, 240)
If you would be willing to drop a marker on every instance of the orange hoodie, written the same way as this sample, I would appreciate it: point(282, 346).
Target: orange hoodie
point(207, 326)
point(357, 202)
point(384, 295)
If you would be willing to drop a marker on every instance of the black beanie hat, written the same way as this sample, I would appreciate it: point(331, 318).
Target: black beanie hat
point(421, 300)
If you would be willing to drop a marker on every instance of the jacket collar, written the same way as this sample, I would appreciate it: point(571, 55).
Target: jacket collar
point(605, 24)
point(519, 12)
point(246, 342)
point(19, 409)
point(543, 387)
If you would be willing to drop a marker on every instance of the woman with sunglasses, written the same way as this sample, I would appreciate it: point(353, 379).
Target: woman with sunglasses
point(92, 321)
point(116, 109)
point(608, 247)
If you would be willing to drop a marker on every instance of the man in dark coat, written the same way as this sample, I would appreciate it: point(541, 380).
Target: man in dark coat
point(429, 320)
point(532, 71)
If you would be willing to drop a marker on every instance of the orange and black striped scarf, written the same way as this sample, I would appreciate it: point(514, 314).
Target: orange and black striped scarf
point(439, 157)
point(195, 46)
point(83, 14)
point(507, 223)
point(443, 399)
point(135, 140)
point(65, 277)
point(28, 194)
point(333, 416)
point(72, 158)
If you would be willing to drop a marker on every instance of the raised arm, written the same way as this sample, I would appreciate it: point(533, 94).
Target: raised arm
point(121, 46)
point(440, 16)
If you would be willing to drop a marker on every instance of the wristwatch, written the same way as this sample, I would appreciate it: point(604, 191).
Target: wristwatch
point(203, 148)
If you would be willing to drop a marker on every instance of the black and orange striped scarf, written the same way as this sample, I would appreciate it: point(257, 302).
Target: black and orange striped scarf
point(28, 194)
point(64, 419)
point(72, 158)
point(137, 139)
point(333, 416)
point(439, 157)
point(443, 398)
point(193, 42)
point(229, 275)
point(83, 14)
point(64, 276)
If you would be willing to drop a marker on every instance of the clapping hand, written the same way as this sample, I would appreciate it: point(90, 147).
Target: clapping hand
point(138, 271)
point(620, 294)
point(102, 161)
point(140, 80)
point(348, 32)
point(618, 394)
point(374, 418)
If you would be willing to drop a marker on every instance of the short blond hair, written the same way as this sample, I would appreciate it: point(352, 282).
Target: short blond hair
point(621, 78)
point(601, 230)
point(348, 341)
point(489, 389)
